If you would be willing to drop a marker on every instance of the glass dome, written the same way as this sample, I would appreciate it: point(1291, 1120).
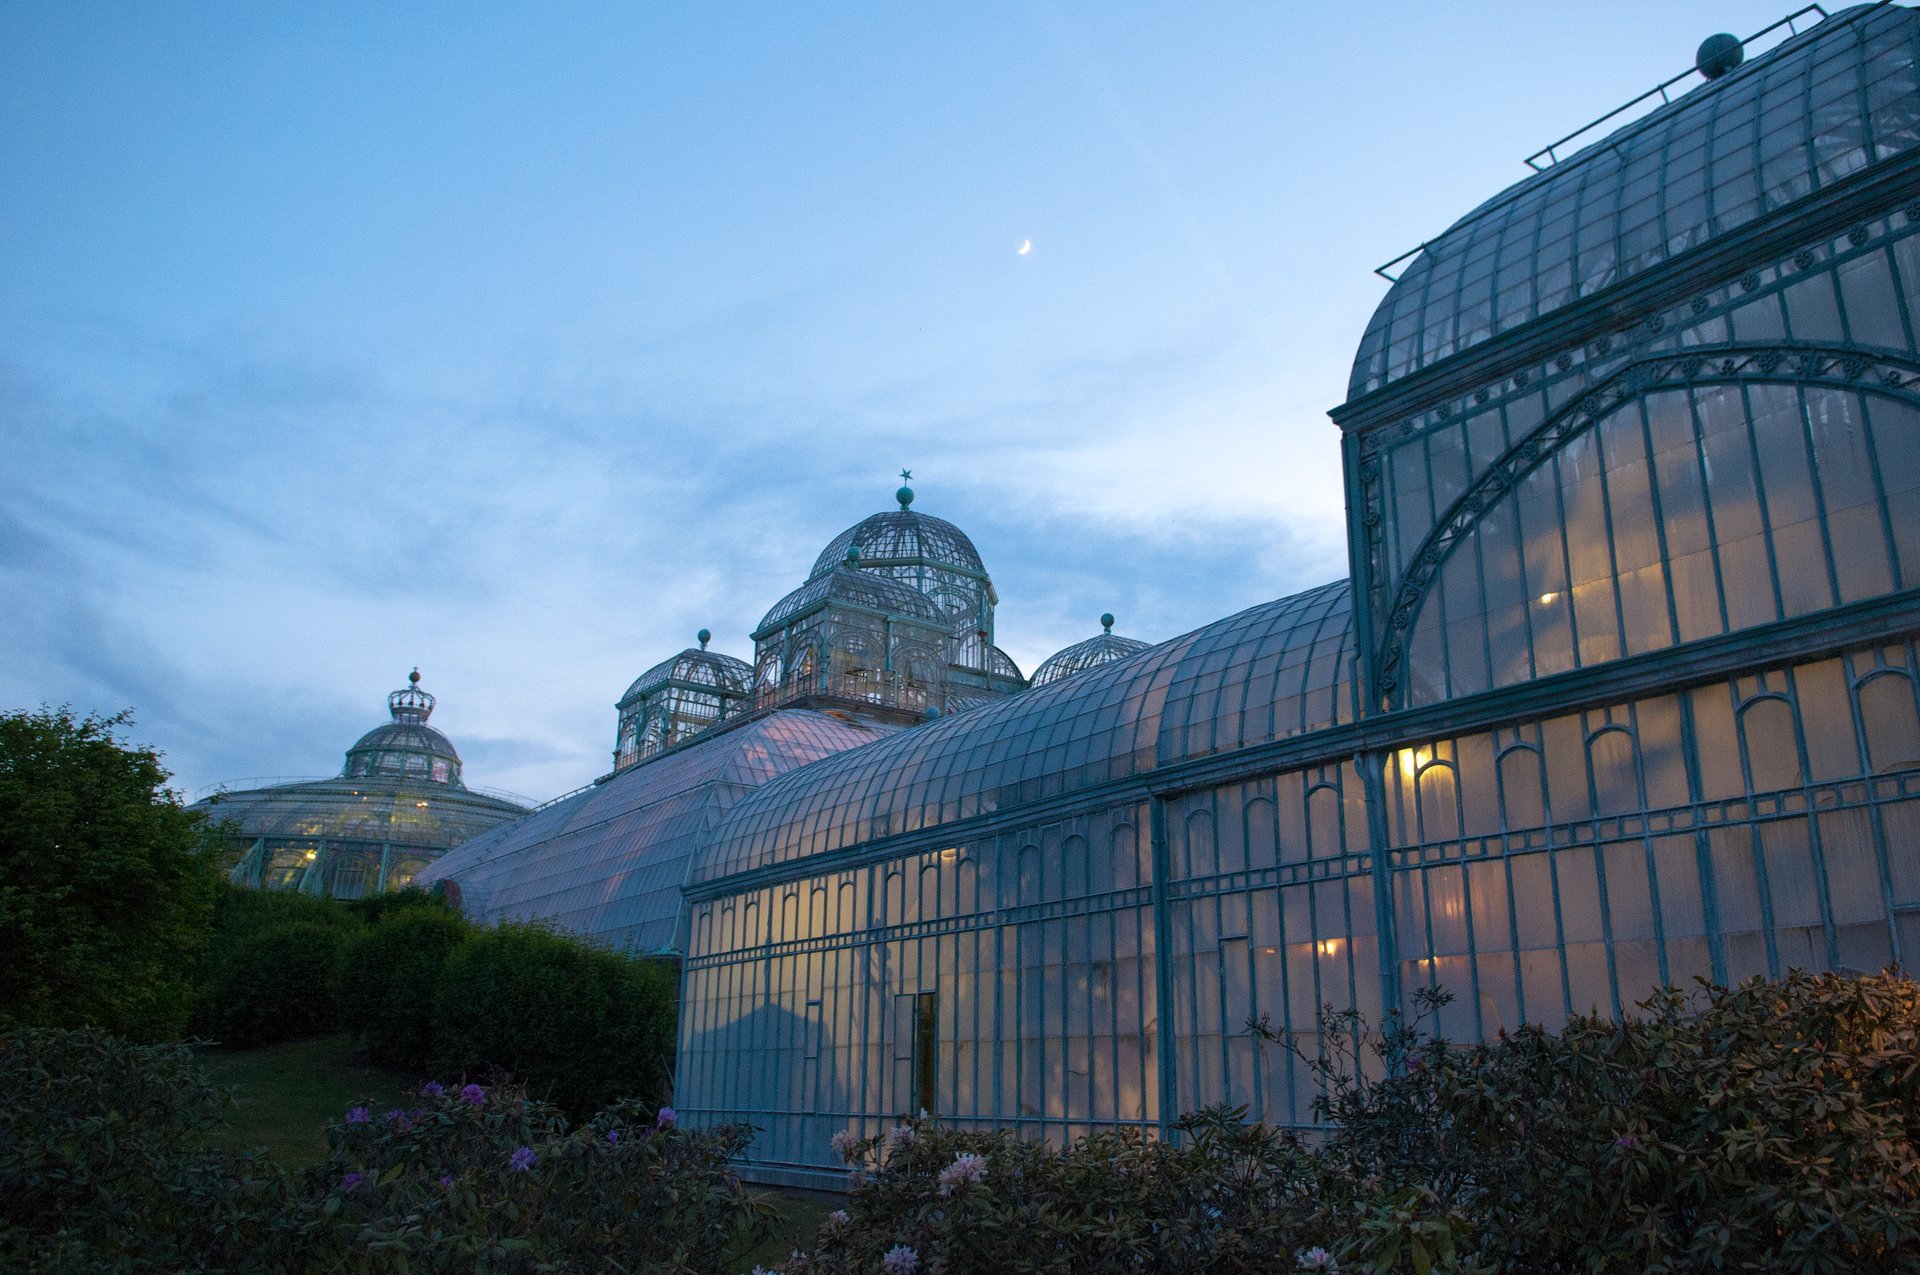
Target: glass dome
point(676, 699)
point(903, 538)
point(1782, 128)
point(850, 585)
point(405, 747)
point(1101, 649)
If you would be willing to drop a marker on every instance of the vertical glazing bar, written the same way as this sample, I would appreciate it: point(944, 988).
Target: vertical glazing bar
point(1163, 967)
point(1372, 767)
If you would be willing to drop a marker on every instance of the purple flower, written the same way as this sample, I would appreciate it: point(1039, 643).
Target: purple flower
point(473, 1095)
point(522, 1160)
point(1317, 1259)
point(966, 1167)
point(353, 1181)
point(358, 1115)
point(667, 1116)
point(846, 1144)
point(613, 1136)
point(900, 1260)
point(433, 1089)
point(395, 1114)
point(1626, 1142)
point(446, 1181)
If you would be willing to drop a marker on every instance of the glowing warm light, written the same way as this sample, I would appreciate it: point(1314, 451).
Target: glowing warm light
point(1329, 947)
point(950, 854)
point(312, 854)
point(421, 804)
point(1270, 951)
point(1026, 246)
point(1548, 599)
point(1412, 759)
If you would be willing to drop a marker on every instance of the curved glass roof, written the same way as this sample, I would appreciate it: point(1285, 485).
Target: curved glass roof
point(609, 861)
point(1820, 107)
point(848, 583)
point(1095, 651)
point(408, 814)
point(695, 667)
point(900, 537)
point(1276, 670)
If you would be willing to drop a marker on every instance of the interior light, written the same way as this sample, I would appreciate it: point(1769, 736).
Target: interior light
point(1549, 598)
point(950, 854)
point(1329, 947)
point(312, 855)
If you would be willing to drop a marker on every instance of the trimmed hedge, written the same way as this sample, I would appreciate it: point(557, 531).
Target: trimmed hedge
point(388, 978)
point(579, 1026)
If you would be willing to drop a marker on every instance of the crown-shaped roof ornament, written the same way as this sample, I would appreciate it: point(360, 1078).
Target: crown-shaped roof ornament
point(410, 704)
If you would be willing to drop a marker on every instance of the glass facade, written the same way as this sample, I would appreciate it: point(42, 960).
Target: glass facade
point(1624, 687)
point(397, 805)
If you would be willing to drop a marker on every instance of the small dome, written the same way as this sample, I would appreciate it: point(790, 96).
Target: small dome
point(1079, 657)
point(405, 747)
point(850, 584)
point(901, 537)
point(694, 668)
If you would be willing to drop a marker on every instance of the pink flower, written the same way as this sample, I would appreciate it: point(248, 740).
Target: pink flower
point(835, 1220)
point(1318, 1259)
point(900, 1260)
point(900, 1137)
point(846, 1144)
point(966, 1167)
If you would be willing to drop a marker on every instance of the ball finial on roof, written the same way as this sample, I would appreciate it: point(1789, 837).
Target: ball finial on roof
point(853, 555)
point(1718, 55)
point(904, 496)
point(414, 677)
point(1106, 621)
point(705, 637)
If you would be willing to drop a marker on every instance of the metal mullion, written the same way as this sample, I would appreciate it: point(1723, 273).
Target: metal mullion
point(1599, 847)
point(1660, 535)
point(1760, 498)
point(1566, 563)
point(1606, 521)
point(1707, 507)
point(1813, 472)
point(1752, 826)
point(1815, 843)
point(1865, 402)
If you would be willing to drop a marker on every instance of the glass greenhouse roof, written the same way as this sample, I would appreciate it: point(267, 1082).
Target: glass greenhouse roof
point(418, 814)
point(852, 585)
point(694, 668)
point(1274, 671)
point(610, 860)
point(1821, 106)
point(902, 537)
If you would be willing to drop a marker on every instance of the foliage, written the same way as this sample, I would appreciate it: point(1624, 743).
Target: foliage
point(475, 1179)
point(1774, 1126)
point(101, 1167)
point(580, 1026)
point(388, 976)
point(281, 982)
point(377, 907)
point(106, 881)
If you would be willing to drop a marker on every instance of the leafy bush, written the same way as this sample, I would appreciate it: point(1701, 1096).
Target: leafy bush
point(281, 982)
point(101, 1168)
point(387, 982)
point(378, 907)
point(473, 1179)
point(105, 880)
point(1775, 1126)
point(580, 1026)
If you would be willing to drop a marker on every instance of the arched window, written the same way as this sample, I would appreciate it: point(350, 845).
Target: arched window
point(1769, 744)
point(1613, 762)
point(1523, 788)
point(1890, 722)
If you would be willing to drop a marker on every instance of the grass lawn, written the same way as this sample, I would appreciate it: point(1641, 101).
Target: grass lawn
point(285, 1094)
point(801, 1213)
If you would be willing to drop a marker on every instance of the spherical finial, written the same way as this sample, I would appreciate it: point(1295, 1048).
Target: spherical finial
point(705, 637)
point(414, 677)
point(1106, 621)
point(904, 496)
point(853, 555)
point(1718, 55)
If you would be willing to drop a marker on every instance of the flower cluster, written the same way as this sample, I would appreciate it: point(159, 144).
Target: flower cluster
point(900, 1260)
point(522, 1160)
point(966, 1167)
point(846, 1145)
point(1318, 1259)
point(473, 1095)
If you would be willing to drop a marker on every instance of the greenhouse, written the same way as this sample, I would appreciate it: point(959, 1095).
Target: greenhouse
point(396, 806)
point(1621, 690)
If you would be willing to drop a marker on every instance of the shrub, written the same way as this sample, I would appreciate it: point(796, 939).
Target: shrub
point(281, 982)
point(378, 907)
point(101, 1168)
point(388, 978)
point(580, 1026)
point(105, 880)
point(479, 1179)
point(271, 971)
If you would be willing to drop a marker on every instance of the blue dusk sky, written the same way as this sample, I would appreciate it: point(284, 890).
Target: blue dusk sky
point(520, 341)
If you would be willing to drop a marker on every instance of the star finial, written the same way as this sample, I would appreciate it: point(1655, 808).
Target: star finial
point(906, 475)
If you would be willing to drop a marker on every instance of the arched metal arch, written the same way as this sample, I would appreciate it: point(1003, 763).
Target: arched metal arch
point(1867, 371)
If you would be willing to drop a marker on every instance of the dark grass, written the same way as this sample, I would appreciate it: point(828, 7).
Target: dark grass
point(285, 1094)
point(800, 1215)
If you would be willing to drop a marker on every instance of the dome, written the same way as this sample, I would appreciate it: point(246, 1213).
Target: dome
point(405, 747)
point(1101, 649)
point(854, 585)
point(1784, 127)
point(902, 538)
point(695, 668)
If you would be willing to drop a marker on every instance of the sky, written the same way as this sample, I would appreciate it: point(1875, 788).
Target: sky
point(518, 342)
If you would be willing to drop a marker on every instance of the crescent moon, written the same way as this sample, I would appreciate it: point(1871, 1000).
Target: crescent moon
point(1026, 246)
